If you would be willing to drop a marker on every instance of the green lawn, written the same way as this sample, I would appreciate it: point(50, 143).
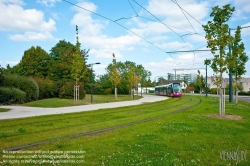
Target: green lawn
point(4, 110)
point(184, 138)
point(56, 102)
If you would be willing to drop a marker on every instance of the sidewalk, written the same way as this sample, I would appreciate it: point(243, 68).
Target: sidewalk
point(22, 112)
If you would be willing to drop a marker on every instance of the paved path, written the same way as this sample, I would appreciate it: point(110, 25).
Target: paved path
point(21, 112)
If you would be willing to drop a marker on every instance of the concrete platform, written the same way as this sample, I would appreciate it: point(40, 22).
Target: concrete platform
point(22, 112)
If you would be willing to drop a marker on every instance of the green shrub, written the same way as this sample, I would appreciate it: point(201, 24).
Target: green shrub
point(47, 88)
point(242, 93)
point(10, 95)
point(67, 91)
point(28, 85)
point(108, 91)
point(213, 91)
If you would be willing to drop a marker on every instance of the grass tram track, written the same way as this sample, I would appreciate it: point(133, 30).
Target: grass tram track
point(22, 131)
point(76, 115)
point(188, 104)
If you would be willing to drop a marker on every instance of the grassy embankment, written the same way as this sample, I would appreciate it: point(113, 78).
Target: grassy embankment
point(4, 110)
point(56, 102)
point(188, 138)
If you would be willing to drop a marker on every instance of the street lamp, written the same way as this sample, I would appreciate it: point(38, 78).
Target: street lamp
point(91, 78)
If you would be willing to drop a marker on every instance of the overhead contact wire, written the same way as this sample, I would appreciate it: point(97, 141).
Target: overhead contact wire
point(117, 24)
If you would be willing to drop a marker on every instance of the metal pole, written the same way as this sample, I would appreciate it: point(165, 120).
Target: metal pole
point(134, 87)
point(141, 91)
point(230, 75)
point(206, 79)
point(91, 90)
point(175, 75)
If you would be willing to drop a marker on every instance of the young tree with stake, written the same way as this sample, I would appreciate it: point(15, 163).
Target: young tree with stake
point(114, 76)
point(218, 40)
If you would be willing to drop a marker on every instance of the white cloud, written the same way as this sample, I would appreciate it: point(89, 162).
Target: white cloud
point(90, 34)
point(12, 63)
point(245, 31)
point(18, 19)
point(183, 61)
point(174, 26)
point(161, 68)
point(31, 36)
point(17, 2)
point(173, 45)
point(105, 53)
point(29, 21)
point(172, 12)
point(186, 57)
point(83, 19)
point(48, 3)
point(243, 4)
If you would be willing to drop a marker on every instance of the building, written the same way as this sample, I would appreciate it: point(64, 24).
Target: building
point(244, 82)
point(188, 77)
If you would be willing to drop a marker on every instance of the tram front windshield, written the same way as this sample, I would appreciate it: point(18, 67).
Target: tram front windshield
point(176, 88)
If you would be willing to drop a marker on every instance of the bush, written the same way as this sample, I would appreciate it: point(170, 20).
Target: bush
point(67, 91)
point(47, 88)
point(213, 91)
point(108, 91)
point(242, 93)
point(11, 95)
point(28, 85)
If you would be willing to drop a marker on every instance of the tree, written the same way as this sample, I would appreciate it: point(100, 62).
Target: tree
point(62, 48)
point(198, 81)
point(142, 75)
point(11, 70)
point(35, 62)
point(61, 61)
point(218, 39)
point(78, 68)
point(1, 76)
point(207, 62)
point(217, 82)
point(159, 80)
point(77, 72)
point(203, 83)
point(123, 69)
point(169, 77)
point(238, 59)
point(114, 76)
point(131, 79)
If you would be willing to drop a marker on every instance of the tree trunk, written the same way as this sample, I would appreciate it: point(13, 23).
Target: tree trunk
point(131, 93)
point(115, 93)
point(236, 95)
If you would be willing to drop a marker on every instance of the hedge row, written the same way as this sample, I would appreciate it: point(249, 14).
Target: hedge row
point(244, 93)
point(25, 84)
point(11, 95)
point(47, 88)
point(20, 89)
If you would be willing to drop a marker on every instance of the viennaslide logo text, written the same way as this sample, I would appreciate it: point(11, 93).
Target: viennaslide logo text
point(234, 155)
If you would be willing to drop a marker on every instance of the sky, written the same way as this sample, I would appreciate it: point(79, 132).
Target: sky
point(141, 31)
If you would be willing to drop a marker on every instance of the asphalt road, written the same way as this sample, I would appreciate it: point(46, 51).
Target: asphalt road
point(243, 98)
